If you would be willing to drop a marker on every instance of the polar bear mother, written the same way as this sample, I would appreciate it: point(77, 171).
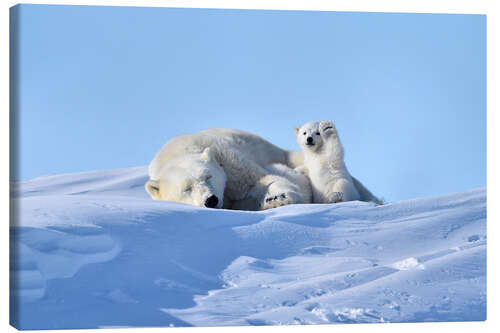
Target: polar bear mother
point(226, 168)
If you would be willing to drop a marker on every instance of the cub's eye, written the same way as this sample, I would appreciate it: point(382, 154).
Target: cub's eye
point(208, 177)
point(317, 133)
point(188, 189)
point(304, 133)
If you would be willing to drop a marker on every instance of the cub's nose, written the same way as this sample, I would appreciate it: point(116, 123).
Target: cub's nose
point(211, 201)
point(309, 139)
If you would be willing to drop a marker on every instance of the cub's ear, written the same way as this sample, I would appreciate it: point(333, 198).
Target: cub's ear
point(296, 129)
point(153, 188)
point(208, 155)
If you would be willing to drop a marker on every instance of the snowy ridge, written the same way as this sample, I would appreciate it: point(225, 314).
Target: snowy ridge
point(93, 250)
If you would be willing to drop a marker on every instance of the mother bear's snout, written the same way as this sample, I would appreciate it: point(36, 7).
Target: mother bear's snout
point(211, 201)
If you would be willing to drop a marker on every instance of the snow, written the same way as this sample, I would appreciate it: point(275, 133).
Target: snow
point(92, 250)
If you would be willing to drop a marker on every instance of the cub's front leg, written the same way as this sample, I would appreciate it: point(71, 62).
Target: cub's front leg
point(341, 190)
point(334, 197)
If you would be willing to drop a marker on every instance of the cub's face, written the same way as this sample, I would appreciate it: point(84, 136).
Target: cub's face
point(309, 137)
point(195, 179)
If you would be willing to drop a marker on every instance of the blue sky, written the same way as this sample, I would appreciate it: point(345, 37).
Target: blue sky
point(106, 87)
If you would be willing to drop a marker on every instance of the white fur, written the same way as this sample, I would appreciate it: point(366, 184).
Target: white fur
point(189, 179)
point(228, 164)
point(296, 190)
point(324, 161)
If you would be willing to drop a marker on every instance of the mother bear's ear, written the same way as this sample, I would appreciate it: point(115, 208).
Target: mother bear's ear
point(208, 155)
point(153, 188)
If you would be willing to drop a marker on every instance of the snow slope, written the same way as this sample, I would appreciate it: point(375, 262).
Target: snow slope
point(92, 250)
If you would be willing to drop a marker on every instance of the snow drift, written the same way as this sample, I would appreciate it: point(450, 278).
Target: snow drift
point(93, 250)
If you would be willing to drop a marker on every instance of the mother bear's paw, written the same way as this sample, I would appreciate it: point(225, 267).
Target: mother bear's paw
point(280, 193)
point(277, 200)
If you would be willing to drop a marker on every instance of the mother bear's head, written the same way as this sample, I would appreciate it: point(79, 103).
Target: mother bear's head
point(195, 179)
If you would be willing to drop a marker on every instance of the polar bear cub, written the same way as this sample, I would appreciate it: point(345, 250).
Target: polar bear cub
point(324, 163)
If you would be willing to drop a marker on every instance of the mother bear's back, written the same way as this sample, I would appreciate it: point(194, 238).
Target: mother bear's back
point(259, 150)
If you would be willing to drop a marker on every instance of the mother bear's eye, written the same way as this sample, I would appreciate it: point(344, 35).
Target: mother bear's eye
point(317, 133)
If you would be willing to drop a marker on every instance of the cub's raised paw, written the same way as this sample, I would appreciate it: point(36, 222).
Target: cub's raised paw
point(327, 127)
point(273, 201)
